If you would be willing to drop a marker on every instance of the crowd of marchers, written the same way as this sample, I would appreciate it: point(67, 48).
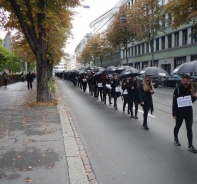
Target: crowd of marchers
point(134, 94)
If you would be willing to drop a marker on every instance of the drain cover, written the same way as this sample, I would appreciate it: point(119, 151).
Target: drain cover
point(13, 176)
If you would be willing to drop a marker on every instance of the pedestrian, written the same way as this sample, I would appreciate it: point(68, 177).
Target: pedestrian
point(125, 83)
point(84, 82)
point(106, 89)
point(183, 98)
point(133, 96)
point(146, 90)
point(100, 87)
point(5, 78)
point(115, 84)
point(29, 79)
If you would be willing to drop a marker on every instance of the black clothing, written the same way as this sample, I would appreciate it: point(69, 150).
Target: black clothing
point(146, 97)
point(133, 97)
point(183, 111)
point(114, 83)
point(106, 91)
point(29, 79)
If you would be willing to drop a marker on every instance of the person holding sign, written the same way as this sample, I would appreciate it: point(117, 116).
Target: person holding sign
point(133, 96)
point(116, 90)
point(106, 89)
point(183, 98)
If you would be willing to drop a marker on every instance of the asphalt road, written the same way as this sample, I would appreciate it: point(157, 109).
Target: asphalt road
point(121, 151)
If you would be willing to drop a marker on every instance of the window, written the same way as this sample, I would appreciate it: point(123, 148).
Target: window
point(179, 61)
point(147, 47)
point(143, 48)
point(194, 35)
point(169, 19)
point(169, 41)
point(163, 42)
point(131, 51)
point(185, 37)
point(135, 50)
point(163, 24)
point(176, 39)
point(139, 50)
point(162, 2)
point(157, 44)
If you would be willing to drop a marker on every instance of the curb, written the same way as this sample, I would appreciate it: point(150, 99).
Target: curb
point(79, 167)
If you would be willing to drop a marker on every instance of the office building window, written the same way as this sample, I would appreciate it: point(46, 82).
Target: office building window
point(163, 2)
point(143, 48)
point(157, 44)
point(144, 64)
point(137, 65)
point(147, 47)
point(169, 41)
point(194, 35)
point(131, 51)
point(179, 61)
point(135, 50)
point(163, 42)
point(185, 37)
point(139, 50)
point(176, 39)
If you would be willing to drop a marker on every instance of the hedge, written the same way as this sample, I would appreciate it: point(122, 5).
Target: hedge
point(13, 78)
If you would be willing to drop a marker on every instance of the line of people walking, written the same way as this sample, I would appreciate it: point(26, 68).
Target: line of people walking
point(134, 94)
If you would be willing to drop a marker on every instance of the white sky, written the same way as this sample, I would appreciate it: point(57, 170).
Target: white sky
point(83, 19)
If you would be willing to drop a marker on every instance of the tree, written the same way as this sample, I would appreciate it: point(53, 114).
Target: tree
point(182, 11)
point(38, 20)
point(120, 31)
point(146, 17)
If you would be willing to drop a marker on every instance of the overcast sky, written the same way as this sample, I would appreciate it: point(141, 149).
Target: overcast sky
point(83, 19)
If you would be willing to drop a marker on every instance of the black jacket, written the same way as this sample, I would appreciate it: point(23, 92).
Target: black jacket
point(134, 94)
point(182, 111)
point(146, 97)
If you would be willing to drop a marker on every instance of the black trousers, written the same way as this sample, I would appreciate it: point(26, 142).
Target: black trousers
point(5, 82)
point(125, 98)
point(130, 105)
point(115, 99)
point(100, 91)
point(29, 84)
point(105, 93)
point(188, 123)
point(84, 84)
point(145, 116)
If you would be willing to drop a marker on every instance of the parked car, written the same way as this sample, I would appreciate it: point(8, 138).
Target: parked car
point(174, 80)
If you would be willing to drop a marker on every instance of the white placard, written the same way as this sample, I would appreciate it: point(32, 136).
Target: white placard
point(125, 92)
point(84, 80)
point(118, 89)
point(184, 101)
point(108, 86)
point(100, 85)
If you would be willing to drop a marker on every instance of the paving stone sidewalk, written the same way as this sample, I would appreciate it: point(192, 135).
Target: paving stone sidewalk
point(39, 144)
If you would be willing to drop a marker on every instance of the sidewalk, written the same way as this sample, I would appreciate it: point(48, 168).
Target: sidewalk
point(39, 144)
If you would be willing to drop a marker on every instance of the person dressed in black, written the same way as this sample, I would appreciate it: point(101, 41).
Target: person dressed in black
point(84, 82)
point(115, 84)
point(133, 96)
point(5, 78)
point(125, 83)
point(146, 90)
point(106, 89)
point(183, 98)
point(100, 87)
point(29, 79)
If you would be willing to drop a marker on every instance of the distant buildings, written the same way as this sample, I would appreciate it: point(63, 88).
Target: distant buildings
point(7, 42)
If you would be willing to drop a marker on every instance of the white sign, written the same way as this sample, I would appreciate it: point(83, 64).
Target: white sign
point(84, 80)
point(118, 89)
point(108, 86)
point(184, 101)
point(125, 92)
point(100, 85)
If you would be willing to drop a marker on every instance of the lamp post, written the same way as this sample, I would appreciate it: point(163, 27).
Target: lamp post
point(123, 18)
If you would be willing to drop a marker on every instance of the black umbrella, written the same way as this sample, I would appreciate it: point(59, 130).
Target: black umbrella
point(98, 74)
point(97, 69)
point(90, 68)
point(154, 71)
point(122, 68)
point(129, 72)
point(186, 67)
point(110, 69)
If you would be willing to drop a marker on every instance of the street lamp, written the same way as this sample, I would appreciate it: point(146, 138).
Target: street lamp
point(123, 18)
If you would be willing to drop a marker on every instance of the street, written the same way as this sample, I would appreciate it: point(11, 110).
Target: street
point(121, 151)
